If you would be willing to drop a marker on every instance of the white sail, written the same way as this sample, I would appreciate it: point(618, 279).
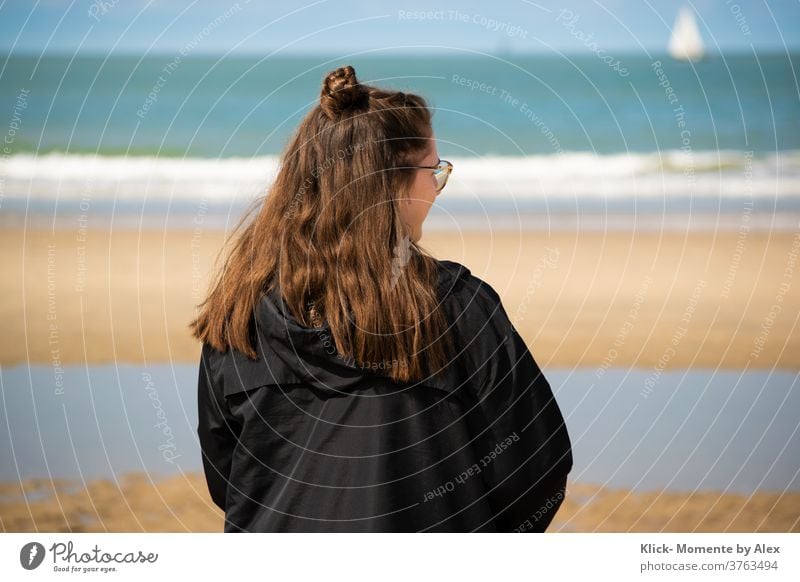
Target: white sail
point(685, 43)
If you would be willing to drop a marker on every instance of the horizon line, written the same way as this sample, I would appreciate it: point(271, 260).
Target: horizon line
point(371, 54)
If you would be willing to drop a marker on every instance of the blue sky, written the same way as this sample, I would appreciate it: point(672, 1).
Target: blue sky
point(400, 26)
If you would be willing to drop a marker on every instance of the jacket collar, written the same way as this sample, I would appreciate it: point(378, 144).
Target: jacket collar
point(290, 353)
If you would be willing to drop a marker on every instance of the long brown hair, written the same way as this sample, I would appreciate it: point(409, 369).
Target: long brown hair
point(329, 234)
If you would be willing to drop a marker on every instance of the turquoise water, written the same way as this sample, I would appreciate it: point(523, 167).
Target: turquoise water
point(697, 429)
point(158, 141)
point(212, 107)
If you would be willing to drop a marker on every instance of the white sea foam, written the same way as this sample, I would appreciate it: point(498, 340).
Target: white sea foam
point(666, 174)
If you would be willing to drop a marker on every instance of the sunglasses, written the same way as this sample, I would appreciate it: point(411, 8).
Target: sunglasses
point(442, 172)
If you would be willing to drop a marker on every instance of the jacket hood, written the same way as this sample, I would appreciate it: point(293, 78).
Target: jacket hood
point(298, 354)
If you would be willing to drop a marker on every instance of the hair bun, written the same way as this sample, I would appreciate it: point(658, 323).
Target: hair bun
point(341, 91)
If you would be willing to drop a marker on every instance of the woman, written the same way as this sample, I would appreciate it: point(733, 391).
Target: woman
point(348, 380)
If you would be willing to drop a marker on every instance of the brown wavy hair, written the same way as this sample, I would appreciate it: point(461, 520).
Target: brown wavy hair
point(329, 234)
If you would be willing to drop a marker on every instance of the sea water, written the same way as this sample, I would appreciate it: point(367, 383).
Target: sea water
point(557, 137)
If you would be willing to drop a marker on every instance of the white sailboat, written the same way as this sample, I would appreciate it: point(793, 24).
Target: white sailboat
point(685, 44)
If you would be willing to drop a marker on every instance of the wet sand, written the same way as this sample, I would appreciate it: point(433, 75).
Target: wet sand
point(182, 504)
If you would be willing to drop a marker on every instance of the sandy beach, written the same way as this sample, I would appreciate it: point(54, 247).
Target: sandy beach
point(135, 503)
point(589, 299)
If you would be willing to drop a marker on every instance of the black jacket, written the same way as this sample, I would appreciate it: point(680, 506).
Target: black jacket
point(304, 440)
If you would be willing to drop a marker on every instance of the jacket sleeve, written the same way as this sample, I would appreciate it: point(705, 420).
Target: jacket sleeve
point(217, 429)
point(523, 446)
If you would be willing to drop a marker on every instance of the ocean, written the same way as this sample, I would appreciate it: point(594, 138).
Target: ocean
point(536, 141)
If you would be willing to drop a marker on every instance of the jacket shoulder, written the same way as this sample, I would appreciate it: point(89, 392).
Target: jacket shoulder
point(474, 311)
point(459, 286)
point(232, 372)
